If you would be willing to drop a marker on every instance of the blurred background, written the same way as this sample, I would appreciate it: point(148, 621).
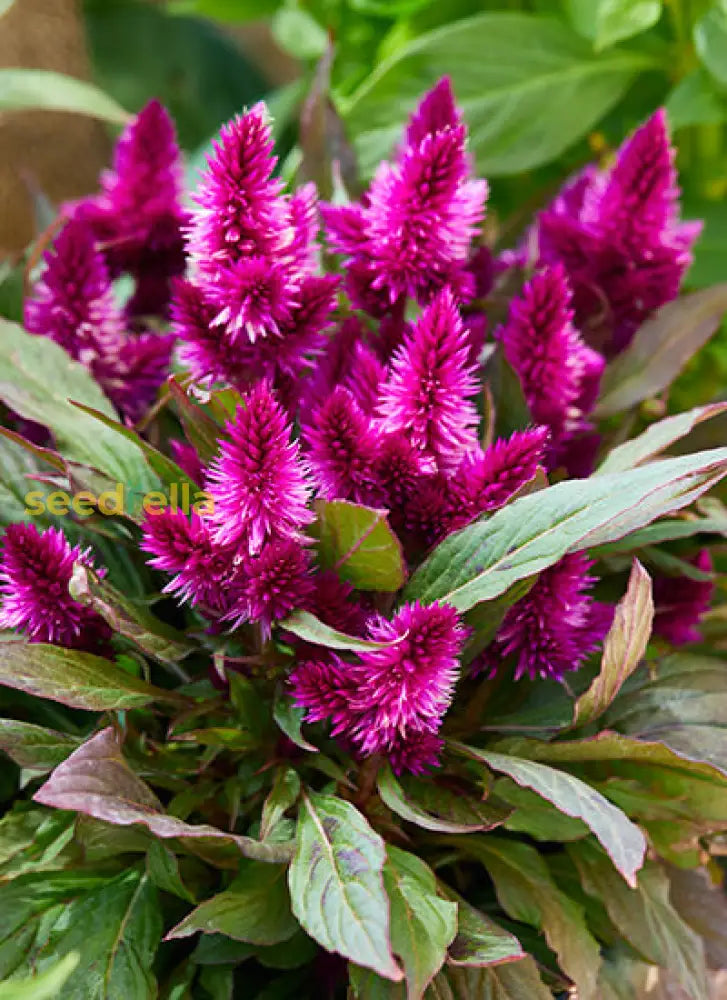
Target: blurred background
point(546, 86)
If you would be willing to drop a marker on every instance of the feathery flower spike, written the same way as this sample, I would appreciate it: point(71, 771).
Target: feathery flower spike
point(35, 572)
point(272, 584)
point(427, 394)
point(258, 482)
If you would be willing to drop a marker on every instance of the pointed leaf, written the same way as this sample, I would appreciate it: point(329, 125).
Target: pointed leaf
point(480, 942)
point(483, 560)
point(35, 747)
point(163, 869)
point(336, 883)
point(520, 981)
point(46, 986)
point(622, 839)
point(306, 626)
point(80, 680)
point(255, 908)
point(527, 893)
point(283, 794)
point(358, 543)
point(657, 438)
point(152, 636)
point(200, 429)
point(422, 924)
point(40, 88)
point(661, 349)
point(623, 648)
point(645, 917)
point(436, 808)
point(97, 781)
point(289, 719)
point(37, 379)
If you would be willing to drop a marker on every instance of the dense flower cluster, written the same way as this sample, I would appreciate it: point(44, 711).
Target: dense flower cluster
point(374, 398)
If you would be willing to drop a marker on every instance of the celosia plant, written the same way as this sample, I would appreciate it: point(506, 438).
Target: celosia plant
point(337, 676)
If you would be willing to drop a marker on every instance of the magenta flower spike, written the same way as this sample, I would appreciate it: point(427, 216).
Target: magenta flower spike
point(272, 584)
point(203, 572)
point(137, 219)
point(35, 571)
point(412, 232)
point(428, 394)
point(258, 482)
point(341, 447)
point(558, 372)
point(619, 237)
point(556, 626)
point(680, 603)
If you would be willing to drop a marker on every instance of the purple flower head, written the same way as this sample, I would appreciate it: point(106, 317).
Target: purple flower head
point(333, 604)
point(399, 470)
point(681, 602)
point(183, 547)
point(130, 370)
point(437, 111)
point(366, 377)
point(73, 301)
point(418, 753)
point(619, 237)
point(405, 689)
point(555, 626)
point(272, 584)
point(412, 232)
point(137, 219)
point(252, 245)
point(73, 304)
point(558, 372)
point(35, 572)
point(258, 482)
point(188, 460)
point(486, 480)
point(426, 396)
point(325, 687)
point(341, 447)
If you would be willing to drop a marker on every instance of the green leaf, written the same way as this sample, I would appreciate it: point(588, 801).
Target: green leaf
point(436, 808)
point(520, 981)
point(358, 543)
point(200, 429)
point(512, 74)
point(695, 101)
point(710, 41)
point(645, 917)
point(657, 438)
point(226, 10)
point(336, 883)
point(298, 33)
point(480, 942)
point(33, 840)
point(255, 908)
point(684, 707)
point(423, 925)
point(35, 747)
point(97, 781)
point(527, 893)
point(606, 22)
point(610, 746)
point(16, 464)
point(128, 618)
point(661, 348)
point(114, 926)
point(80, 680)
point(37, 379)
point(535, 816)
point(283, 795)
point(486, 558)
point(46, 986)
point(623, 647)
point(21, 89)
point(622, 839)
point(168, 472)
point(703, 905)
point(289, 719)
point(163, 869)
point(306, 626)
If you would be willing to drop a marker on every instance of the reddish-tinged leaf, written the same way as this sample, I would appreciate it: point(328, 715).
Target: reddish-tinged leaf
point(97, 781)
point(661, 349)
point(76, 679)
point(623, 648)
point(435, 808)
point(358, 543)
point(657, 439)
